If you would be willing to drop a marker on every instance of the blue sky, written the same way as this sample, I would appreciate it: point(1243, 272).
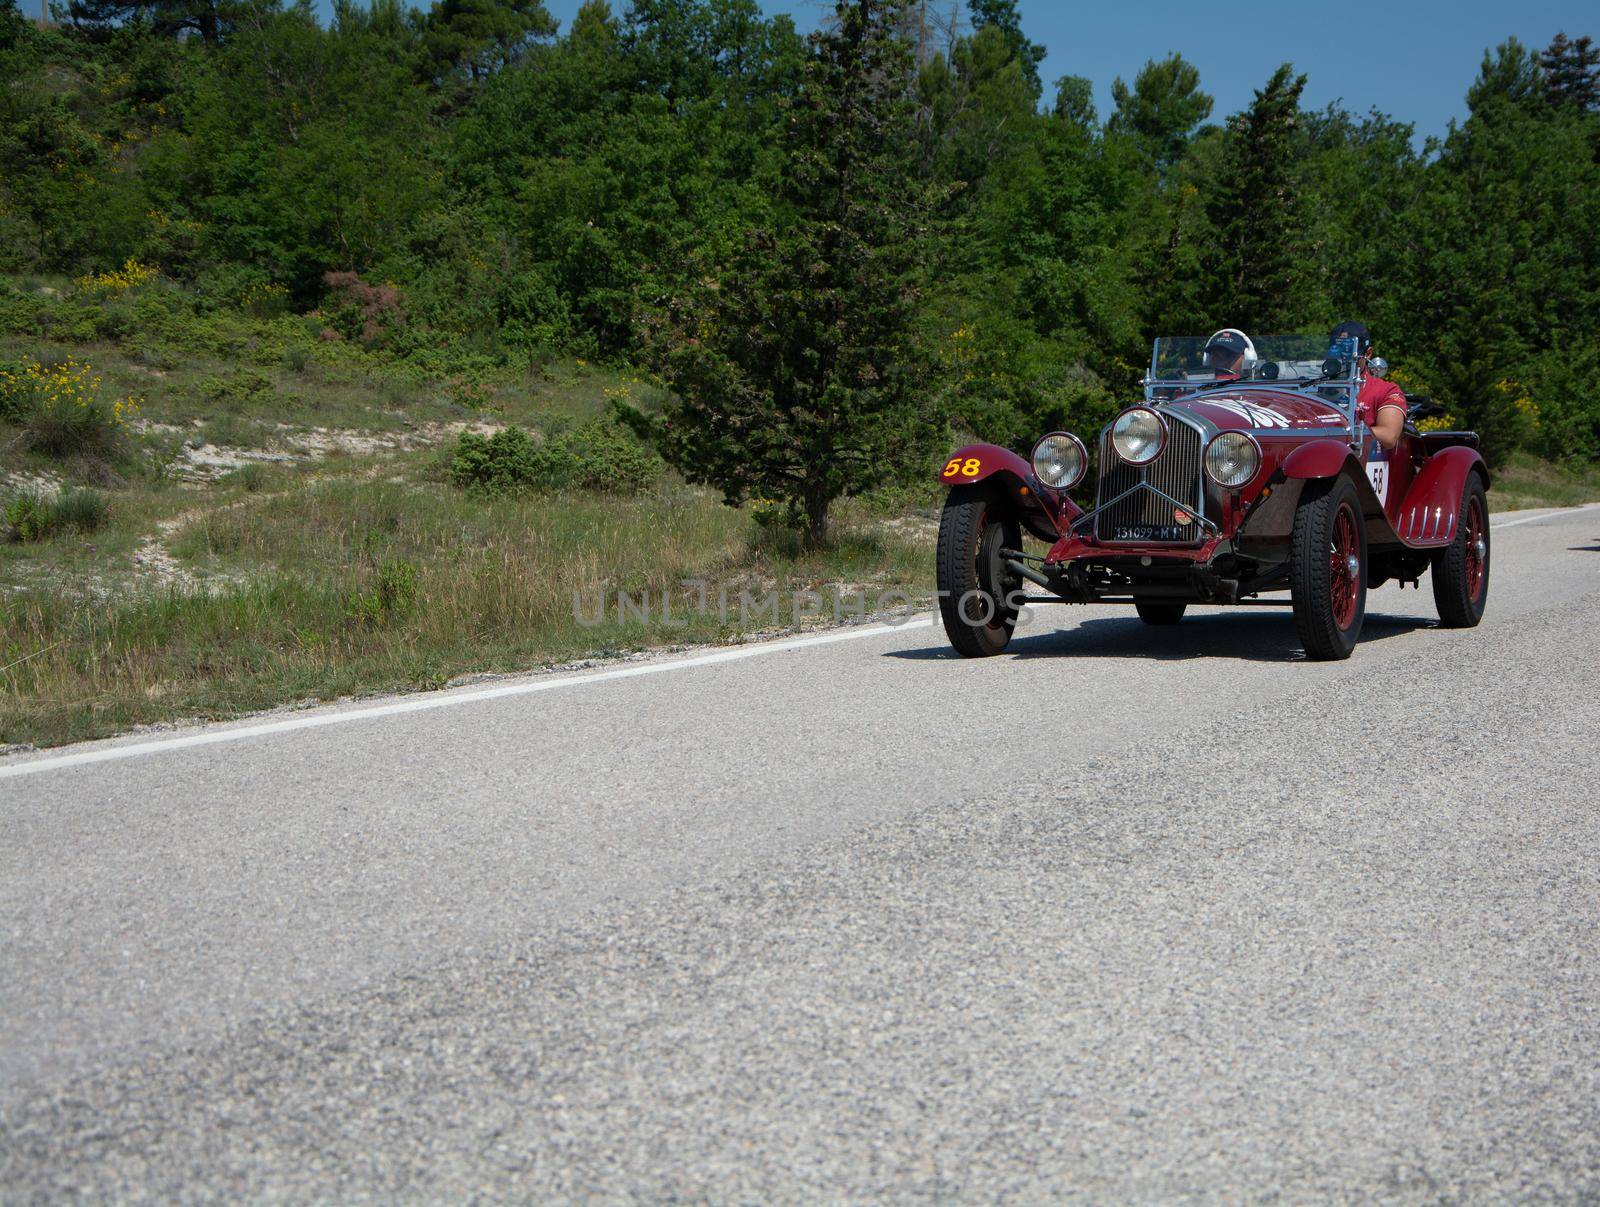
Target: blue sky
point(1413, 60)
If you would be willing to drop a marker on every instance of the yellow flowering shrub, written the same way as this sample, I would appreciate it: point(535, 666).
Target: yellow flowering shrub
point(131, 275)
point(60, 406)
point(265, 300)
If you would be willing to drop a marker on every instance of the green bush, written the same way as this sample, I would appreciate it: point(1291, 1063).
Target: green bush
point(16, 392)
point(505, 463)
point(393, 595)
point(600, 456)
point(31, 517)
point(80, 509)
point(19, 311)
point(251, 478)
point(27, 518)
point(235, 389)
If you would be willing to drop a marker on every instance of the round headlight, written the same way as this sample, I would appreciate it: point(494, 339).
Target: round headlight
point(1060, 459)
point(1138, 435)
point(1232, 459)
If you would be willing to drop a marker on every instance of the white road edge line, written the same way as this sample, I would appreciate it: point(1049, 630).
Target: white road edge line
point(107, 754)
point(1549, 515)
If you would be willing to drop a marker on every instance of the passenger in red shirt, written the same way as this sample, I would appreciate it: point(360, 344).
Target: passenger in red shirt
point(1383, 404)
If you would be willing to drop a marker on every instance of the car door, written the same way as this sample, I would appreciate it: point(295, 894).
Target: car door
point(1391, 470)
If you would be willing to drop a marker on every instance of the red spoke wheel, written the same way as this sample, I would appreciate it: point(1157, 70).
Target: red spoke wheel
point(1461, 568)
point(1328, 568)
point(974, 585)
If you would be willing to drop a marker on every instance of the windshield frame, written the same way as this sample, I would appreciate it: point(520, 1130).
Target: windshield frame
point(1341, 390)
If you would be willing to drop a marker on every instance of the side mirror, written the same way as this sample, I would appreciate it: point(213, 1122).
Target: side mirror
point(1378, 367)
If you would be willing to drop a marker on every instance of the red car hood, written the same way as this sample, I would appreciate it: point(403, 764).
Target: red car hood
point(1261, 411)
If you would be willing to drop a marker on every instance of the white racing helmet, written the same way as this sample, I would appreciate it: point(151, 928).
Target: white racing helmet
point(1236, 342)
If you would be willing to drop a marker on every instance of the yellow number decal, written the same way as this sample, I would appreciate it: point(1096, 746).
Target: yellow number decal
point(970, 467)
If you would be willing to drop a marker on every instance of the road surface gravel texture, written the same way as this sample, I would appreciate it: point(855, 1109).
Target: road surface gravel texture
point(1125, 913)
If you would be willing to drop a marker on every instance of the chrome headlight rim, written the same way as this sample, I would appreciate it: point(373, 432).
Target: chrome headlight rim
point(1082, 455)
point(1160, 444)
point(1237, 481)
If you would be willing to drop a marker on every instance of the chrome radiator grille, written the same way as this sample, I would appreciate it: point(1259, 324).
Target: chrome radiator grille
point(1175, 472)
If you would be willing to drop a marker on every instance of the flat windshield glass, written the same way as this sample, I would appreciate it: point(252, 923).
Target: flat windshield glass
point(1185, 359)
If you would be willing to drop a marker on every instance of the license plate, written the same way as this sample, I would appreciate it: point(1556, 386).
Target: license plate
point(1148, 532)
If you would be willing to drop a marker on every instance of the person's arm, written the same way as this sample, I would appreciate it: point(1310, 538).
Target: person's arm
point(1391, 421)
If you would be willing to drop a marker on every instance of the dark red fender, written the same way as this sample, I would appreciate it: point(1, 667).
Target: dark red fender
point(1427, 517)
point(1319, 459)
point(1042, 511)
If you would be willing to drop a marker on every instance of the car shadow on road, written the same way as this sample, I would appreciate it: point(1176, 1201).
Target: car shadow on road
point(1594, 548)
point(1256, 636)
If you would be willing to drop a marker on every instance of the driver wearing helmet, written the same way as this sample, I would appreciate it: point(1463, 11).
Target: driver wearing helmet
point(1230, 354)
point(1383, 404)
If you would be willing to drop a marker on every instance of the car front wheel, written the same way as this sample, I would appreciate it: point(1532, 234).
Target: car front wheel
point(974, 583)
point(1328, 568)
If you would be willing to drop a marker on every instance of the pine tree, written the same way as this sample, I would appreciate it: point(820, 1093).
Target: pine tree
point(1572, 72)
point(1162, 108)
point(792, 370)
point(1257, 211)
point(475, 38)
point(1003, 15)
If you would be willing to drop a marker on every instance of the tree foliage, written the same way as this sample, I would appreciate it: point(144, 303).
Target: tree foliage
point(691, 181)
point(793, 371)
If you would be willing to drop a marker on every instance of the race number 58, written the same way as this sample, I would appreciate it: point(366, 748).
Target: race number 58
point(958, 468)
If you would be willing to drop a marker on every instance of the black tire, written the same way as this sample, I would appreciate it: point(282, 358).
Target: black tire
point(1461, 568)
point(1329, 594)
point(1160, 613)
point(973, 584)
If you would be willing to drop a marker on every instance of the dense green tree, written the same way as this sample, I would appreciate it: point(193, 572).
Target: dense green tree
point(792, 368)
point(1572, 72)
point(1500, 262)
point(1162, 109)
point(1002, 16)
point(1075, 101)
point(477, 37)
point(211, 20)
point(1257, 274)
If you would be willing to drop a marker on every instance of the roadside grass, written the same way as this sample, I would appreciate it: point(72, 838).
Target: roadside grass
point(1526, 481)
point(332, 587)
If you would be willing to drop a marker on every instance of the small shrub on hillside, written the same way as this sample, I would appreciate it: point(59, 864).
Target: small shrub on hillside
point(265, 300)
point(603, 455)
point(251, 478)
point(297, 357)
point(79, 509)
point(236, 388)
point(19, 311)
point(393, 595)
point(131, 275)
point(469, 394)
point(505, 463)
point(14, 399)
point(27, 519)
point(371, 315)
point(600, 456)
point(31, 517)
point(60, 408)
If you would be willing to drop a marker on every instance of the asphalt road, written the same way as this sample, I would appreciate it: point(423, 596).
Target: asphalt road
point(1125, 913)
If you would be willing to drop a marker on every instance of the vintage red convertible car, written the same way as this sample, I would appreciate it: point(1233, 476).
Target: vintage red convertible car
point(1221, 488)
